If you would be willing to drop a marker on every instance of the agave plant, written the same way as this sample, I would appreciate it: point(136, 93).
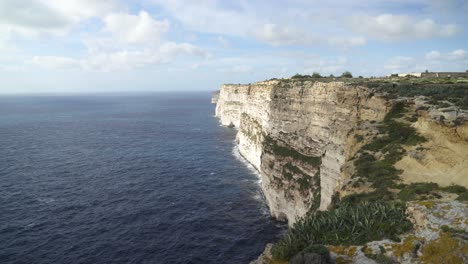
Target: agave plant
point(349, 224)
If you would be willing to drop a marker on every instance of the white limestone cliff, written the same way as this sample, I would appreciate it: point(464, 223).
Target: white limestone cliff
point(298, 134)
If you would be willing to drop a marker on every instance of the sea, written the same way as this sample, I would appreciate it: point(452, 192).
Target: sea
point(125, 178)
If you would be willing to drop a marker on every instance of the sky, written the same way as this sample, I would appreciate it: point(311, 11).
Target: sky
point(49, 46)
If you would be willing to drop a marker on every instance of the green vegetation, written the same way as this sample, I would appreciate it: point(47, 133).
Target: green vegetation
point(363, 217)
point(380, 257)
point(304, 181)
point(305, 76)
point(345, 225)
point(381, 173)
point(317, 248)
point(316, 75)
point(347, 74)
point(411, 192)
point(455, 231)
point(463, 197)
point(454, 189)
point(250, 127)
point(273, 146)
point(359, 138)
point(315, 203)
point(300, 76)
point(438, 89)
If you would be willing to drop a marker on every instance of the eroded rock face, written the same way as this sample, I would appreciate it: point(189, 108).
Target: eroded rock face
point(442, 159)
point(297, 134)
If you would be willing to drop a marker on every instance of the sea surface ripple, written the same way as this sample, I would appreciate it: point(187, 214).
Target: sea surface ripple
point(129, 178)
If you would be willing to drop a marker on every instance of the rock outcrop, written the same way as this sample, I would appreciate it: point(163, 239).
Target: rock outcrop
point(298, 134)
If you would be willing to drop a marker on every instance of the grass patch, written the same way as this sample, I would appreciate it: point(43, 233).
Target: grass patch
point(305, 181)
point(438, 89)
point(380, 195)
point(463, 197)
point(455, 232)
point(346, 225)
point(397, 111)
point(454, 189)
point(381, 173)
point(413, 190)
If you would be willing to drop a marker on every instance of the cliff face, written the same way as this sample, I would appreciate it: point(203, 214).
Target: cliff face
point(299, 135)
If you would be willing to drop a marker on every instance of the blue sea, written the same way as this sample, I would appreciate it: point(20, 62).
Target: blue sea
point(125, 178)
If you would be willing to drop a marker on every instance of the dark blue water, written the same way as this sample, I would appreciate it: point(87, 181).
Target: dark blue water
point(146, 178)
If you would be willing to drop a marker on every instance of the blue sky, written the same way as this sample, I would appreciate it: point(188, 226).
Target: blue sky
point(153, 45)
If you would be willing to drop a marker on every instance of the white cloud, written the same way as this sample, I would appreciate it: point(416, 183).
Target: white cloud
point(433, 61)
point(136, 29)
point(242, 69)
point(55, 62)
point(127, 42)
point(458, 55)
point(390, 27)
point(77, 10)
point(119, 60)
point(347, 42)
point(433, 55)
point(399, 64)
point(242, 19)
point(5, 44)
point(278, 35)
point(32, 18)
point(326, 66)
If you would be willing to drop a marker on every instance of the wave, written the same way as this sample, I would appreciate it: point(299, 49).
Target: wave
point(236, 153)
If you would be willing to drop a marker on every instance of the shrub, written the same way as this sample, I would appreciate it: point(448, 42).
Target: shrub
point(273, 146)
point(319, 249)
point(454, 189)
point(403, 133)
point(436, 88)
point(359, 138)
point(316, 75)
point(463, 197)
point(346, 74)
point(355, 198)
point(397, 111)
point(299, 76)
point(304, 181)
point(382, 173)
point(346, 225)
point(411, 191)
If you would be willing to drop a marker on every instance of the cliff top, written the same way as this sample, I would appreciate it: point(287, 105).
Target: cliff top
point(442, 91)
point(363, 81)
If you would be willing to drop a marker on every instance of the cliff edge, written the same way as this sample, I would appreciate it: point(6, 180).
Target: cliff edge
point(298, 134)
point(363, 170)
